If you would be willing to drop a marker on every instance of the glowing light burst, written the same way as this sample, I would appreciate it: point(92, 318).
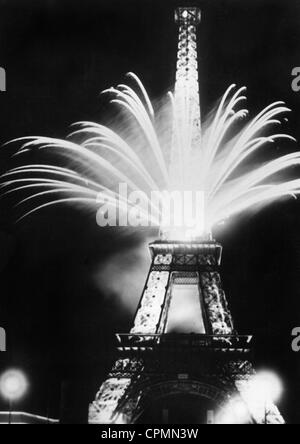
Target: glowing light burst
point(13, 384)
point(152, 153)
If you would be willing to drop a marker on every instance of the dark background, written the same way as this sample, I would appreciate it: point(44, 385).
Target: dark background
point(60, 274)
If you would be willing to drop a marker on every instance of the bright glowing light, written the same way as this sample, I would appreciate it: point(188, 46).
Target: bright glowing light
point(13, 385)
point(260, 393)
point(255, 402)
point(240, 410)
point(236, 412)
point(266, 387)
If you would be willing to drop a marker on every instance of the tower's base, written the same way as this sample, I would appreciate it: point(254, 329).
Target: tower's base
point(153, 364)
point(152, 368)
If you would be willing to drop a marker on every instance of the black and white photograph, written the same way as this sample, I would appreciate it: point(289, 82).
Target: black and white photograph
point(149, 215)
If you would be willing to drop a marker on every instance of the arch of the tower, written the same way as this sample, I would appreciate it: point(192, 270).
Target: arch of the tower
point(209, 399)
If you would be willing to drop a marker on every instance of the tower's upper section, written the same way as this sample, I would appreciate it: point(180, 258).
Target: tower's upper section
point(186, 149)
point(187, 100)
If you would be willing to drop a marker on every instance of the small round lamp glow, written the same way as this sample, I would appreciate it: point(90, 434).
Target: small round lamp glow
point(13, 385)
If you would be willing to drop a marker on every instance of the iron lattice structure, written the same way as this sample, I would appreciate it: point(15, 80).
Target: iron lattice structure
point(187, 117)
point(152, 364)
point(187, 85)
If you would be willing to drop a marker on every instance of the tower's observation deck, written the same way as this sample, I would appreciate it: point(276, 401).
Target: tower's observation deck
point(191, 16)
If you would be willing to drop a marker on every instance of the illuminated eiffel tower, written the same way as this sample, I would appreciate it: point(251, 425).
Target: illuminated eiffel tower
point(197, 353)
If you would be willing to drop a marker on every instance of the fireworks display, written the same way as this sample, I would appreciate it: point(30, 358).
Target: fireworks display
point(152, 154)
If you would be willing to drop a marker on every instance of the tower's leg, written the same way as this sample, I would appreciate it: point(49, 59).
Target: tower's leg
point(106, 407)
point(261, 410)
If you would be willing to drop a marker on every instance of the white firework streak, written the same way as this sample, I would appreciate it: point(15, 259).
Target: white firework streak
point(216, 168)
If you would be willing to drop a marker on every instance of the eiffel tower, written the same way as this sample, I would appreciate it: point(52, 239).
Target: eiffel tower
point(183, 341)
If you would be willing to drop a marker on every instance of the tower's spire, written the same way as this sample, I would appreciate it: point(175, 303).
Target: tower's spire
point(187, 86)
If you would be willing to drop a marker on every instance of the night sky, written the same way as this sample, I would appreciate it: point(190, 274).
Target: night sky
point(66, 285)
